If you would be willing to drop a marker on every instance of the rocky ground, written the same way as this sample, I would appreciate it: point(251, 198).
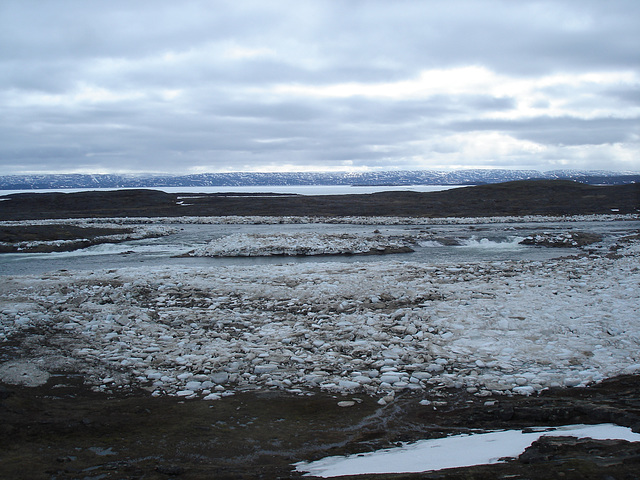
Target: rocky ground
point(62, 430)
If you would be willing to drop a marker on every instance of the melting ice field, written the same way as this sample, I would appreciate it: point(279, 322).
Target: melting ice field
point(378, 327)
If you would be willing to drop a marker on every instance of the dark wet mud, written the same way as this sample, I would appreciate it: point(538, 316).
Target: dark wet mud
point(63, 430)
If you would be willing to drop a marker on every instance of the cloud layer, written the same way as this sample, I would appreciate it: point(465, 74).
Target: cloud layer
point(205, 86)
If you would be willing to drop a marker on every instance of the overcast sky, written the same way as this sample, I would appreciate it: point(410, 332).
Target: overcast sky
point(313, 85)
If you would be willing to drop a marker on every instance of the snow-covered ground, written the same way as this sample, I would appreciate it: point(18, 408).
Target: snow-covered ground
point(456, 451)
point(497, 327)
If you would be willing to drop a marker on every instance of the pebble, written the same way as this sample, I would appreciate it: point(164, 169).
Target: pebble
point(391, 379)
point(262, 369)
point(220, 377)
point(362, 379)
point(348, 385)
point(193, 386)
point(524, 390)
point(572, 382)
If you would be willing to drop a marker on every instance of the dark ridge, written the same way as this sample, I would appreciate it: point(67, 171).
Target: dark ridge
point(524, 197)
point(118, 203)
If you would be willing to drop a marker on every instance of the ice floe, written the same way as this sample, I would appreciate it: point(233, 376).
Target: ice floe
point(251, 245)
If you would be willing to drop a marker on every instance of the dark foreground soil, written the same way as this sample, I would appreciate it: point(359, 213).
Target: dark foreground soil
point(62, 430)
point(530, 197)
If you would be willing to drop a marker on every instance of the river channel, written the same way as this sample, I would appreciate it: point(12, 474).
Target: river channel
point(440, 244)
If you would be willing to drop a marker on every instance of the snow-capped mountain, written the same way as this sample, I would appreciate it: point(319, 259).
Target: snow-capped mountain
point(418, 177)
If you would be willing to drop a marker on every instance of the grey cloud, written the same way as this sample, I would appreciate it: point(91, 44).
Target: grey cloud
point(386, 112)
point(277, 112)
point(560, 131)
point(85, 30)
point(52, 76)
point(630, 96)
point(520, 37)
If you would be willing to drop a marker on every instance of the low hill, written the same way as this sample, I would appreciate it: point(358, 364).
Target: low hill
point(527, 197)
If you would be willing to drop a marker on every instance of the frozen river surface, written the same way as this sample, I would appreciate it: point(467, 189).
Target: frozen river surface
point(434, 244)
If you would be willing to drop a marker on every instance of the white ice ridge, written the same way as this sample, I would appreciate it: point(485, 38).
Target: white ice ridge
point(374, 328)
point(455, 451)
point(249, 245)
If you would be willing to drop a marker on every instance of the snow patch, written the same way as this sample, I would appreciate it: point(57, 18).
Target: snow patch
point(456, 451)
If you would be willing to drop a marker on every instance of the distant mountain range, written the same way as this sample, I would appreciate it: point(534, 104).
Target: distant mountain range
point(259, 179)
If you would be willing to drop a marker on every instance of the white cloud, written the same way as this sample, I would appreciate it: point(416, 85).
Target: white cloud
point(535, 95)
point(497, 150)
point(235, 51)
point(454, 81)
